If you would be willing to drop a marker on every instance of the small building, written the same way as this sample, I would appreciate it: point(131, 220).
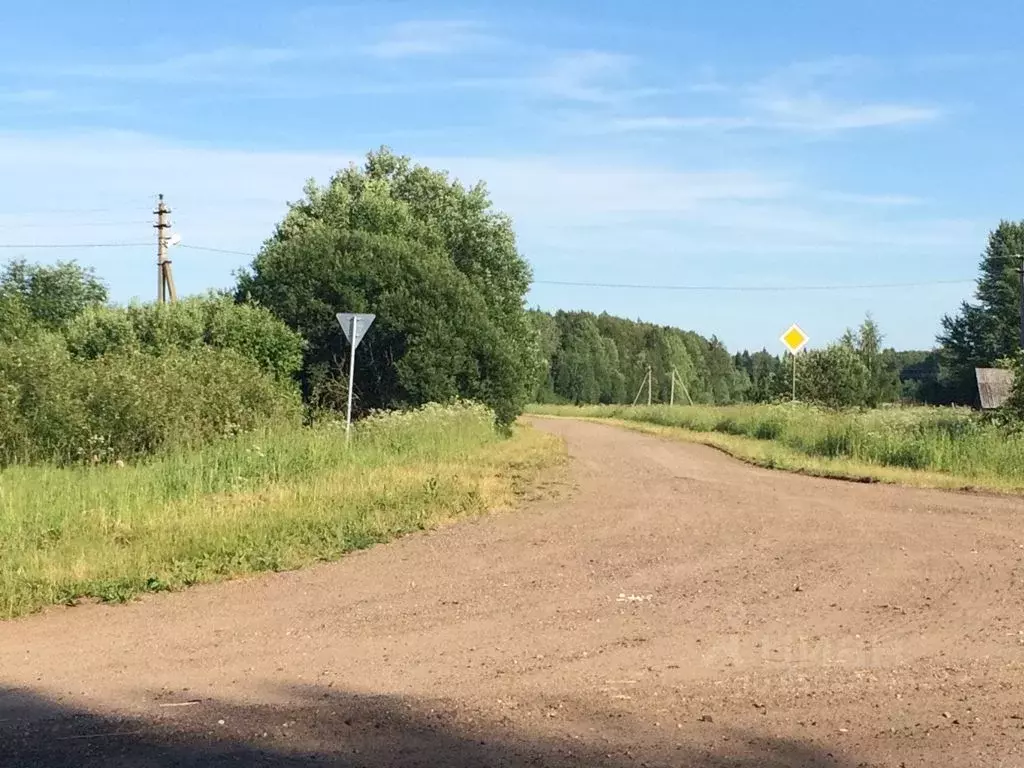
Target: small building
point(994, 386)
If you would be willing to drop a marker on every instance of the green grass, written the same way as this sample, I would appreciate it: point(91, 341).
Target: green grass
point(939, 447)
point(266, 501)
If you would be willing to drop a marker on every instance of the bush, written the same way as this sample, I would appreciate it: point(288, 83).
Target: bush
point(835, 377)
point(128, 404)
point(215, 321)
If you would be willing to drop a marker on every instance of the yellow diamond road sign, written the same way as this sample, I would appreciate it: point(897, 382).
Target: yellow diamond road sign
point(794, 339)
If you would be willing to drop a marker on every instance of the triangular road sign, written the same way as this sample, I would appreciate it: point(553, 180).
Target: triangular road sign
point(361, 325)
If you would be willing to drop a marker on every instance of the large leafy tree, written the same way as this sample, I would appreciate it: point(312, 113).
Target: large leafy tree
point(432, 259)
point(988, 329)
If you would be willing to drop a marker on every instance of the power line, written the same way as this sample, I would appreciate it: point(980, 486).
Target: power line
point(54, 211)
point(66, 224)
point(681, 287)
point(762, 288)
point(71, 245)
point(574, 283)
point(215, 250)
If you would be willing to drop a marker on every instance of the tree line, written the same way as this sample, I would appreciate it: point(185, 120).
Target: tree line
point(588, 358)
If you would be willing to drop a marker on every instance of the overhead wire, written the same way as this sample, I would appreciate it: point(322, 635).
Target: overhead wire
point(862, 286)
point(566, 283)
point(19, 246)
point(762, 288)
point(214, 250)
point(66, 225)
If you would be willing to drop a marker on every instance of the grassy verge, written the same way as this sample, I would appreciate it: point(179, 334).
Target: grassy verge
point(927, 447)
point(275, 500)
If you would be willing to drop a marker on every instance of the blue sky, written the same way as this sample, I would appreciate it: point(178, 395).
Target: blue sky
point(712, 144)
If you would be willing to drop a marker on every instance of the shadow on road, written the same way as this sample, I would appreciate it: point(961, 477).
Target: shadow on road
point(349, 730)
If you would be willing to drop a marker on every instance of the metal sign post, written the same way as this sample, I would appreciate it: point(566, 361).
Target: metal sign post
point(355, 327)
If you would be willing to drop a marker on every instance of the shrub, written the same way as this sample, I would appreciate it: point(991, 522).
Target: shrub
point(128, 404)
point(835, 377)
point(215, 321)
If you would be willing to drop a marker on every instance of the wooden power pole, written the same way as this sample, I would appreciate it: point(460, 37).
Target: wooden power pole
point(675, 377)
point(165, 280)
point(645, 383)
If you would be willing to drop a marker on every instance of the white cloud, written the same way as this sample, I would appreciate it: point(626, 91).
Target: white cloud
point(584, 76)
point(879, 200)
point(788, 99)
point(234, 65)
point(428, 38)
point(28, 96)
point(596, 77)
point(812, 115)
point(666, 123)
point(818, 114)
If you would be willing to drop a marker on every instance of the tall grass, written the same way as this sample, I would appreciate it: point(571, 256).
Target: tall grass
point(955, 441)
point(266, 500)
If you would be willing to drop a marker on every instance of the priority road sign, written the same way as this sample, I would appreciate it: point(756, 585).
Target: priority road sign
point(794, 338)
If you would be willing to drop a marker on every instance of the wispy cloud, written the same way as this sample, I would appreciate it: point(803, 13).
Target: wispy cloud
point(818, 114)
point(806, 116)
point(243, 65)
point(539, 191)
point(667, 123)
point(958, 62)
point(874, 200)
point(810, 72)
point(230, 64)
point(28, 96)
point(429, 38)
point(588, 76)
point(235, 57)
point(794, 99)
point(592, 77)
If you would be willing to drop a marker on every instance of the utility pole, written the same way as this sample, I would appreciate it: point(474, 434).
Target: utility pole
point(165, 280)
point(645, 382)
point(675, 375)
point(672, 391)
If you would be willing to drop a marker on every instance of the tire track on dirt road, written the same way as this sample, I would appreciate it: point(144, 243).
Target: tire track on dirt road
point(675, 608)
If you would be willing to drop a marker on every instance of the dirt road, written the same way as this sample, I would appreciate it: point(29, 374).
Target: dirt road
point(672, 608)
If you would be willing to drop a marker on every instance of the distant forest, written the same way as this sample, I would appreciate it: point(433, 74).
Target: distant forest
point(590, 358)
